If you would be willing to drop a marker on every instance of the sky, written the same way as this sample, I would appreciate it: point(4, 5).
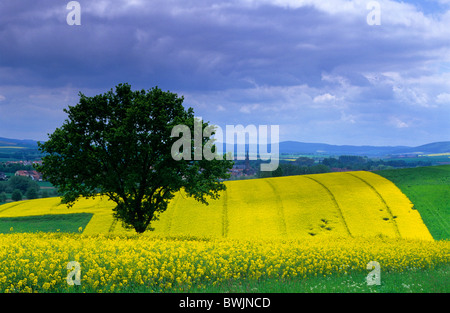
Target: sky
point(338, 72)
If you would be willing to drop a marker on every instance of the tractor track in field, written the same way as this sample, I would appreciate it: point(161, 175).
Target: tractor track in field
point(391, 216)
point(113, 226)
point(280, 209)
point(171, 213)
point(336, 204)
point(225, 214)
point(10, 207)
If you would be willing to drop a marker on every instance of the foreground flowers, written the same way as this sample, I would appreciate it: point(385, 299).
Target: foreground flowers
point(38, 262)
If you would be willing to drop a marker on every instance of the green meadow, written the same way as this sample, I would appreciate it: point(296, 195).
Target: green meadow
point(429, 189)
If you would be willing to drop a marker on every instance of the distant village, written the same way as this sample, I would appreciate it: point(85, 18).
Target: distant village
point(242, 170)
point(33, 174)
point(245, 169)
point(238, 170)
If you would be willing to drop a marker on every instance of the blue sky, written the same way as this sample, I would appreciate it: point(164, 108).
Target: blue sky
point(315, 68)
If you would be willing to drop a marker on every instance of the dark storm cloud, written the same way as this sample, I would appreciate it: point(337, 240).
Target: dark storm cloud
point(315, 68)
point(220, 47)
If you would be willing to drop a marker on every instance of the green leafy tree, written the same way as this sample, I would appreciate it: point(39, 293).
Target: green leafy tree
point(119, 144)
point(278, 172)
point(32, 193)
point(44, 194)
point(20, 182)
point(2, 197)
point(3, 186)
point(304, 161)
point(16, 195)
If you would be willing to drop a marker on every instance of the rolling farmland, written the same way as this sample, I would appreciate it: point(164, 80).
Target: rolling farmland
point(429, 189)
point(352, 204)
point(308, 233)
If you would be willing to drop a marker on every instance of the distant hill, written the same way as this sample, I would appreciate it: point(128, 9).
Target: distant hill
point(435, 147)
point(27, 143)
point(322, 148)
point(314, 148)
point(15, 149)
point(296, 147)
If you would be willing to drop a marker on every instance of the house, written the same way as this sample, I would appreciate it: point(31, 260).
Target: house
point(34, 175)
point(236, 172)
point(239, 170)
point(3, 177)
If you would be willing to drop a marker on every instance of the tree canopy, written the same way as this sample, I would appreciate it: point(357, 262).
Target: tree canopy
point(119, 144)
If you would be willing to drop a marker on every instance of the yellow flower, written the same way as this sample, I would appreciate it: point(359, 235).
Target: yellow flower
point(292, 207)
point(116, 263)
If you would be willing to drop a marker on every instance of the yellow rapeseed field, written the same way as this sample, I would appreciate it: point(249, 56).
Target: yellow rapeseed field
point(351, 204)
point(280, 229)
point(38, 262)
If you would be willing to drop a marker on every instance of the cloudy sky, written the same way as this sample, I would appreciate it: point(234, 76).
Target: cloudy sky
point(324, 71)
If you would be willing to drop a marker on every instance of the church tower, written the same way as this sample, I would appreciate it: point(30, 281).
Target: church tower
point(247, 169)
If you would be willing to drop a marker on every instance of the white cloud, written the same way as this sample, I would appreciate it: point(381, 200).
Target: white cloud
point(332, 7)
point(348, 118)
point(248, 109)
point(398, 123)
point(221, 108)
point(443, 98)
point(324, 98)
point(412, 96)
point(2, 98)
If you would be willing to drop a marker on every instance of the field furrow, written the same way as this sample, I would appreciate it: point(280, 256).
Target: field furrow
point(225, 215)
point(186, 216)
point(252, 210)
point(364, 212)
point(408, 220)
point(279, 208)
point(386, 206)
point(334, 204)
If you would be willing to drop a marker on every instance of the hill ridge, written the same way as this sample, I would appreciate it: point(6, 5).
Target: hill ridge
point(290, 146)
point(336, 204)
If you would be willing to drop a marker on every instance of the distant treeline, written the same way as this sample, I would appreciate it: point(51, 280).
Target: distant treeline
point(306, 165)
point(20, 154)
point(14, 167)
point(17, 188)
point(289, 169)
point(352, 162)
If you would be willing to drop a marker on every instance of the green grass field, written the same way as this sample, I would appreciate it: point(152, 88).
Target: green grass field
point(419, 281)
point(65, 223)
point(429, 189)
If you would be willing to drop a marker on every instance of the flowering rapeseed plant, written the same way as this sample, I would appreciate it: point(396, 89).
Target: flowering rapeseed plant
point(38, 262)
point(333, 204)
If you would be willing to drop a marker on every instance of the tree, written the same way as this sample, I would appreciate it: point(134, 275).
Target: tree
point(119, 144)
point(2, 197)
point(19, 182)
point(32, 193)
point(304, 161)
point(22, 183)
point(3, 186)
point(278, 172)
point(317, 169)
point(44, 194)
point(16, 195)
